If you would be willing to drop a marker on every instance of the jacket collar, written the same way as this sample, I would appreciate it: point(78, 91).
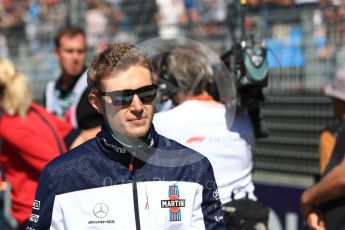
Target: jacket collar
point(116, 151)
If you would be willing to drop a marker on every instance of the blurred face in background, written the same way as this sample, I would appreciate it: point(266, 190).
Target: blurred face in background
point(71, 54)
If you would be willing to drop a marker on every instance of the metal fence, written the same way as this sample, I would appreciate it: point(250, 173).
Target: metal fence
point(28, 38)
point(296, 36)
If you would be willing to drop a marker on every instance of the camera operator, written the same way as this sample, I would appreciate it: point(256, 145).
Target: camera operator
point(203, 124)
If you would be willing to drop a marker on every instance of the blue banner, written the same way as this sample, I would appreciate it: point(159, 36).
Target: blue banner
point(283, 201)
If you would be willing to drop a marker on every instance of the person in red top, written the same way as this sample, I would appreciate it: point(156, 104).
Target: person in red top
point(30, 138)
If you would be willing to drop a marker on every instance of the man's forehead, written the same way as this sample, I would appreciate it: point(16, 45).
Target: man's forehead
point(126, 79)
point(72, 40)
point(133, 71)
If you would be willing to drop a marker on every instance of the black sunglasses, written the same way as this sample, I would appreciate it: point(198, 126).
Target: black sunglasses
point(125, 97)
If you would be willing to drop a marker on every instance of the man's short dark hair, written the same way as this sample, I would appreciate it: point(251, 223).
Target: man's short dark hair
point(70, 31)
point(115, 57)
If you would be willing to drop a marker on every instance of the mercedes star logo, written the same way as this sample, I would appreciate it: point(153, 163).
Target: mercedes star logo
point(100, 210)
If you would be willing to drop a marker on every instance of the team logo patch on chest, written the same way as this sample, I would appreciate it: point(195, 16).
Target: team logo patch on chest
point(174, 203)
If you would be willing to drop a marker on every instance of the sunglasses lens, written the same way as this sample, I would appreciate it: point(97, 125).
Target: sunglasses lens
point(122, 100)
point(125, 97)
point(148, 93)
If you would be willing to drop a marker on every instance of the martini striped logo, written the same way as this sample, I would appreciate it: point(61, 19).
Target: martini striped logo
point(174, 203)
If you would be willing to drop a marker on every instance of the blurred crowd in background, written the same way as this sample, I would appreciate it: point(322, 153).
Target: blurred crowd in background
point(304, 37)
point(35, 22)
point(27, 27)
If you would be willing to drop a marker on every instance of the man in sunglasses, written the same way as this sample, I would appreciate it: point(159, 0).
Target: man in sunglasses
point(128, 176)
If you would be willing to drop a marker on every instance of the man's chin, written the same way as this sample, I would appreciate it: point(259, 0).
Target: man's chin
point(138, 132)
point(75, 73)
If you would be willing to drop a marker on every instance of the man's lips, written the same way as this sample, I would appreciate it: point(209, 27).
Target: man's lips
point(137, 120)
point(75, 68)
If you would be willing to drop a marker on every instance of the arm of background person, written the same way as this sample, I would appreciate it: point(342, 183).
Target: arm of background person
point(331, 187)
point(91, 133)
point(73, 137)
point(84, 136)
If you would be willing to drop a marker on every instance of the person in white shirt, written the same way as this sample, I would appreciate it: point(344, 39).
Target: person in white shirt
point(203, 124)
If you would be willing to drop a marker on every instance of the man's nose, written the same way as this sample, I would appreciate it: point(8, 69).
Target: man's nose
point(77, 53)
point(136, 104)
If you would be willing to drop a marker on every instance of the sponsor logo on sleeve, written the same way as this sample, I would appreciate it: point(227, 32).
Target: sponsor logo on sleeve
point(218, 218)
point(216, 194)
point(34, 218)
point(36, 205)
point(174, 203)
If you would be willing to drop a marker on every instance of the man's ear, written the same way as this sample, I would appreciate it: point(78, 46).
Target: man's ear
point(96, 103)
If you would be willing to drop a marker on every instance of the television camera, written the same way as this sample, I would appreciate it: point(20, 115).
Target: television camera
point(249, 68)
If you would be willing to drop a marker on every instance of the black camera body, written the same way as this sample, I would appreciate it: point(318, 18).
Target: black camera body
point(249, 69)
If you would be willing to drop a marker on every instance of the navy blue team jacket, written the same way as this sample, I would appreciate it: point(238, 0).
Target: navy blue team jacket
point(102, 185)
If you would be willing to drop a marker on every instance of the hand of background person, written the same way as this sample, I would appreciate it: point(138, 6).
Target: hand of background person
point(315, 220)
point(311, 214)
point(306, 206)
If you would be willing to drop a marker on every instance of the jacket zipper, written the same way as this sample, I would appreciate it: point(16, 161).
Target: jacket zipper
point(135, 193)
